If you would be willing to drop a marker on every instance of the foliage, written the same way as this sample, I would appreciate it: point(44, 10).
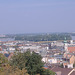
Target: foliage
point(22, 64)
point(47, 72)
point(3, 60)
point(74, 64)
point(18, 60)
point(45, 37)
point(61, 65)
point(9, 70)
point(32, 62)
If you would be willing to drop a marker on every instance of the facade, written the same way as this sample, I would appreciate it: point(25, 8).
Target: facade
point(68, 60)
point(52, 61)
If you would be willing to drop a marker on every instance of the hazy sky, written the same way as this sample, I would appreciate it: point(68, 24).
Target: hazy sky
point(35, 16)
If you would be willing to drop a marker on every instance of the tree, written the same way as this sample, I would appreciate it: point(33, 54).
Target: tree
point(61, 65)
point(74, 65)
point(18, 60)
point(9, 70)
point(34, 64)
point(30, 61)
point(3, 60)
point(47, 72)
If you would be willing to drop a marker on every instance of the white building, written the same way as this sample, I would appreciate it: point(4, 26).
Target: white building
point(52, 61)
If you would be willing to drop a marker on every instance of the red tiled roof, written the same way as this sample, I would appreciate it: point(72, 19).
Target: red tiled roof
point(71, 49)
point(45, 67)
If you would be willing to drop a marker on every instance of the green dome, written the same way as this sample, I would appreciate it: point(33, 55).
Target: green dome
point(65, 41)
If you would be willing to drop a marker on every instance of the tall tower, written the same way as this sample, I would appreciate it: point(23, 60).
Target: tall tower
point(65, 45)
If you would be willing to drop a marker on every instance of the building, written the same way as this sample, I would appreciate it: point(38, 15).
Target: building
point(63, 71)
point(68, 60)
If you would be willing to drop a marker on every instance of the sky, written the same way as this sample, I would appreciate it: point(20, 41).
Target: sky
point(37, 16)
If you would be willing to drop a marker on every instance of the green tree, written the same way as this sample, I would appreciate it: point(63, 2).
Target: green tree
point(74, 65)
point(18, 60)
point(10, 70)
point(3, 60)
point(34, 64)
point(47, 72)
point(61, 65)
point(30, 61)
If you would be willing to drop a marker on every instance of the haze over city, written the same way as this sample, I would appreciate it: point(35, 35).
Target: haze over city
point(37, 16)
point(37, 37)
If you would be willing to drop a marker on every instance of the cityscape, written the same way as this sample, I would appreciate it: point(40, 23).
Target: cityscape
point(37, 37)
point(57, 55)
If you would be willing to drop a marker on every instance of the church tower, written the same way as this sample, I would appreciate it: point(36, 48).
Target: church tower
point(65, 45)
